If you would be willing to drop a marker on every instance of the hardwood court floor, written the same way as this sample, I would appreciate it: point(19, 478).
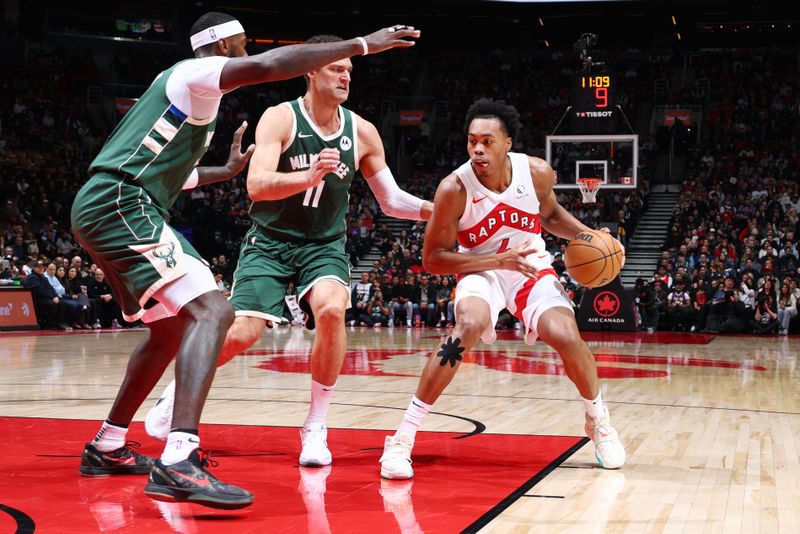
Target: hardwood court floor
point(711, 425)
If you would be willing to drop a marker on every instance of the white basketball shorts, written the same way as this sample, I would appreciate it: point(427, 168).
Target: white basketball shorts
point(525, 297)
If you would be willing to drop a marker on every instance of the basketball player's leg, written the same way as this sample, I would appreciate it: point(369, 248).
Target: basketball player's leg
point(324, 272)
point(108, 453)
point(205, 316)
point(478, 303)
point(257, 295)
point(328, 300)
point(556, 326)
point(473, 318)
point(243, 334)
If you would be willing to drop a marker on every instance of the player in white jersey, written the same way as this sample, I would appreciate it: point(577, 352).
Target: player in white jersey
point(496, 205)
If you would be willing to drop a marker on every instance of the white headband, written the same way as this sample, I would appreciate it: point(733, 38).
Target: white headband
point(215, 33)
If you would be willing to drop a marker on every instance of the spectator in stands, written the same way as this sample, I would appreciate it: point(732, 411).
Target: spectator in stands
point(733, 317)
point(378, 311)
point(445, 305)
point(660, 302)
point(108, 310)
point(64, 244)
point(19, 248)
point(787, 308)
point(679, 307)
point(766, 316)
point(359, 299)
point(76, 291)
point(643, 295)
point(401, 301)
point(76, 313)
point(50, 309)
point(748, 293)
point(221, 285)
point(662, 275)
point(424, 301)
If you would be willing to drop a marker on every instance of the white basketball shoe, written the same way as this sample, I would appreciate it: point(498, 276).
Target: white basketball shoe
point(396, 459)
point(158, 421)
point(608, 448)
point(314, 437)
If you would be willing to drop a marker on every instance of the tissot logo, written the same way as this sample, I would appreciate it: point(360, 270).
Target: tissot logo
point(593, 114)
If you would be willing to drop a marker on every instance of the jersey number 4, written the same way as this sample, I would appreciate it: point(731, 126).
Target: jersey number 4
point(310, 192)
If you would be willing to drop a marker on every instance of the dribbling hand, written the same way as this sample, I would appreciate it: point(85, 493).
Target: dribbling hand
point(391, 37)
point(516, 259)
point(324, 163)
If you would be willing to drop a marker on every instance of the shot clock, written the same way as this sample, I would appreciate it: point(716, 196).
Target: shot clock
point(593, 100)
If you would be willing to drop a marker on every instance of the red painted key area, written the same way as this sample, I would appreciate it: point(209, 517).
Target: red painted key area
point(459, 483)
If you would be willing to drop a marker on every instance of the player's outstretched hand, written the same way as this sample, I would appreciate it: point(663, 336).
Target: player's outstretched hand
point(236, 158)
point(325, 163)
point(398, 36)
point(516, 259)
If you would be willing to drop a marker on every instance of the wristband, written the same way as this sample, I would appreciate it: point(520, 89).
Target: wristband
point(363, 45)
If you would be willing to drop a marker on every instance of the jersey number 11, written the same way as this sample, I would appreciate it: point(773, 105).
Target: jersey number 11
point(309, 192)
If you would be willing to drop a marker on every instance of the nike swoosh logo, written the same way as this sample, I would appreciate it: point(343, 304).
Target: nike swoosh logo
point(199, 481)
point(303, 136)
point(123, 461)
point(476, 200)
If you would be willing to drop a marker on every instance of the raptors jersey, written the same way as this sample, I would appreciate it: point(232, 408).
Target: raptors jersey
point(494, 222)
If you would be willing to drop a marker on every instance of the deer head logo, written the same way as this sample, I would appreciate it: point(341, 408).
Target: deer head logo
point(168, 257)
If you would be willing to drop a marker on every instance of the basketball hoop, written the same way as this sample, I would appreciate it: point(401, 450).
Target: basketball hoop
point(589, 188)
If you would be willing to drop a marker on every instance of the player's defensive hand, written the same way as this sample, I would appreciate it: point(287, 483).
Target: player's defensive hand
point(325, 163)
point(397, 36)
point(516, 259)
point(236, 158)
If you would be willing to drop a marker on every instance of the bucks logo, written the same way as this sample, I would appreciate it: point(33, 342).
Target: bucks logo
point(168, 256)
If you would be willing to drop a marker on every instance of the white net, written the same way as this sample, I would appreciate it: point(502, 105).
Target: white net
point(589, 188)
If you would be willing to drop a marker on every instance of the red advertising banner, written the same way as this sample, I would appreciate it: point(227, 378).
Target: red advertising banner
point(16, 310)
point(683, 114)
point(411, 117)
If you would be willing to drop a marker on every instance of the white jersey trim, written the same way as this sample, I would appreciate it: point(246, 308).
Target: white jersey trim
point(314, 126)
point(293, 135)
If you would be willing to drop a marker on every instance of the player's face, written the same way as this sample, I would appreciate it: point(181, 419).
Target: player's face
point(236, 45)
point(334, 79)
point(487, 145)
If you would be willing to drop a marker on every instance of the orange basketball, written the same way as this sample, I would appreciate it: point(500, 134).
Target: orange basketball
point(594, 258)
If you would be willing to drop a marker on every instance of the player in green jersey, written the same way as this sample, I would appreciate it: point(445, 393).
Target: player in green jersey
point(120, 217)
point(307, 154)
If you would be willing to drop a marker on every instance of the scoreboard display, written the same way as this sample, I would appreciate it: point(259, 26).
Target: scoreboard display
point(593, 100)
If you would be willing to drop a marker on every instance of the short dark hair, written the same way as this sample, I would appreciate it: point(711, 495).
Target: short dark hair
point(321, 38)
point(486, 108)
point(212, 18)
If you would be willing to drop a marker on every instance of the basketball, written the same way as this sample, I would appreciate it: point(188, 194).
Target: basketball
point(594, 258)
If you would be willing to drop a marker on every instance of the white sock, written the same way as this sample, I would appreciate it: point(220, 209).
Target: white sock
point(179, 446)
point(412, 420)
point(110, 437)
point(594, 408)
point(321, 396)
